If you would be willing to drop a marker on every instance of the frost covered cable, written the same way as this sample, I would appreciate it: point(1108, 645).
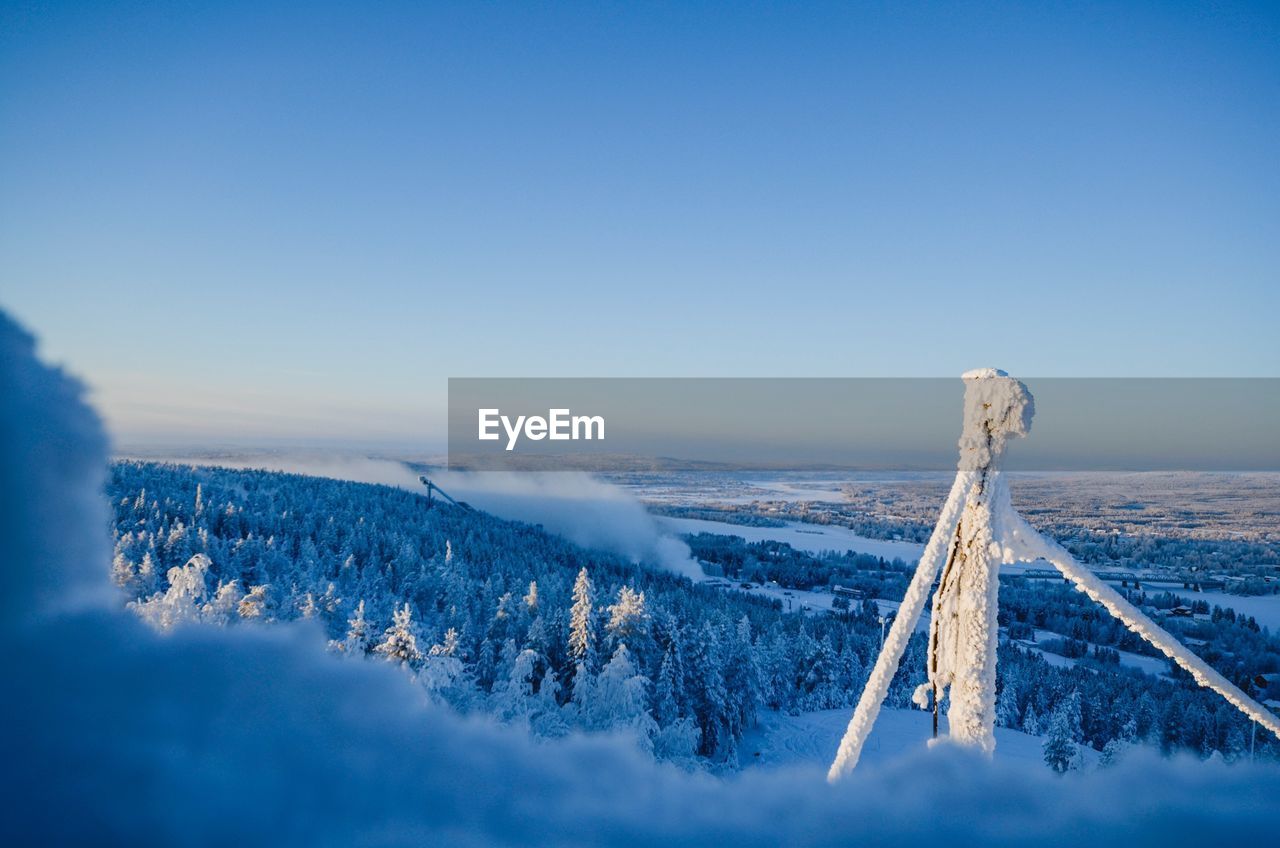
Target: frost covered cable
point(931, 661)
point(864, 716)
point(1086, 581)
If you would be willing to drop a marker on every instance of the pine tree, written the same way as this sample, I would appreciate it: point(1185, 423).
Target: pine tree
point(627, 616)
point(147, 574)
point(357, 641)
point(123, 572)
point(442, 669)
point(1007, 714)
point(225, 604)
point(399, 643)
point(582, 636)
point(742, 678)
point(1031, 721)
point(185, 598)
point(1112, 753)
point(254, 604)
point(308, 608)
point(513, 698)
point(619, 700)
point(1060, 748)
point(447, 648)
point(666, 703)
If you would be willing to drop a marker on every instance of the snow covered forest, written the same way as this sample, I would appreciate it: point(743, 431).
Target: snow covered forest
point(502, 618)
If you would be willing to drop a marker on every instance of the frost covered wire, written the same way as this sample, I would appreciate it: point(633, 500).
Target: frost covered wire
point(864, 716)
point(1133, 618)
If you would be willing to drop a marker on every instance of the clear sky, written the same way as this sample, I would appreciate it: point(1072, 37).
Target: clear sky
point(256, 220)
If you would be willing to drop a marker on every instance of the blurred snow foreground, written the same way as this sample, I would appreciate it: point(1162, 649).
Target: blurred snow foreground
point(978, 530)
point(116, 735)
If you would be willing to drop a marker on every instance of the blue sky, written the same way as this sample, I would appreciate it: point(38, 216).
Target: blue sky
point(258, 221)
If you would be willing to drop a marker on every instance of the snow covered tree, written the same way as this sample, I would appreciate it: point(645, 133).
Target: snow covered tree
point(443, 672)
point(183, 600)
point(742, 678)
point(619, 700)
point(358, 641)
point(666, 703)
point(399, 643)
point(308, 608)
point(147, 574)
point(627, 616)
point(582, 635)
point(1031, 721)
point(512, 698)
point(254, 604)
point(123, 572)
point(548, 718)
point(224, 608)
point(1007, 713)
point(1060, 746)
point(448, 647)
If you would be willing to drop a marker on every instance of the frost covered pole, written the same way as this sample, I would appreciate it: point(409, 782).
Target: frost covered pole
point(962, 629)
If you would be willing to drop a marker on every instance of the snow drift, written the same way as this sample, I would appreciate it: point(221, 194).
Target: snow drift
point(257, 736)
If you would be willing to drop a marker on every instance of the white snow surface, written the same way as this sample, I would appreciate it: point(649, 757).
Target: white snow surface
point(811, 538)
point(1264, 608)
point(806, 740)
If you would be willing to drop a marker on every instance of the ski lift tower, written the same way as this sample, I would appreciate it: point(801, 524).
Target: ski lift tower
point(977, 532)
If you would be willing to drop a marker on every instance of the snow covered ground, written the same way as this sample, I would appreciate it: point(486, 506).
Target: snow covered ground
point(812, 538)
point(801, 600)
point(1158, 666)
point(810, 739)
point(1264, 608)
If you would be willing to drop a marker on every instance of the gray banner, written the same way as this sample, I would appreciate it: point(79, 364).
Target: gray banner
point(857, 423)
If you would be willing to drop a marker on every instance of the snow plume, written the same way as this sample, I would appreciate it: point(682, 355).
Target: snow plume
point(258, 736)
point(585, 510)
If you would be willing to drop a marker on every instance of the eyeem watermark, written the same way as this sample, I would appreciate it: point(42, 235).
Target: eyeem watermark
point(560, 425)
point(839, 424)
